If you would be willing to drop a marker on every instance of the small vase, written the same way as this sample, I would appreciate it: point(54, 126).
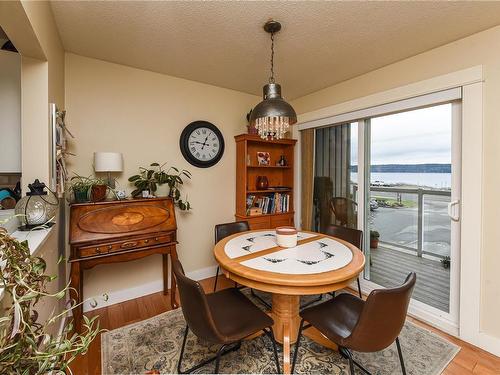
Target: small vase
point(262, 183)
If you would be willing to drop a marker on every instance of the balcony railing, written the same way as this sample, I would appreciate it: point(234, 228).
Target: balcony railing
point(418, 196)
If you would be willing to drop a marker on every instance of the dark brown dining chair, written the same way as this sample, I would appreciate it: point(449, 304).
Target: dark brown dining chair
point(353, 236)
point(363, 326)
point(225, 317)
point(224, 230)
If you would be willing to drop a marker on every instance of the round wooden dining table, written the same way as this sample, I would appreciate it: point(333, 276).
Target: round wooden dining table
point(318, 264)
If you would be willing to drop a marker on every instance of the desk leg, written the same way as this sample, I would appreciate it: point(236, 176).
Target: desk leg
point(173, 283)
point(285, 313)
point(76, 294)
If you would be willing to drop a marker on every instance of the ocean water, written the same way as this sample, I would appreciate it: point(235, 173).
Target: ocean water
point(434, 180)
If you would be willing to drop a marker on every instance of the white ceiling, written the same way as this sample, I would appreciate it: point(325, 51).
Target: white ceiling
point(223, 44)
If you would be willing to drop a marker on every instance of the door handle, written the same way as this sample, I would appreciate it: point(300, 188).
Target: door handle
point(450, 210)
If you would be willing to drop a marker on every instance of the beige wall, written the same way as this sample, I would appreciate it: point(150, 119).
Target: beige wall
point(479, 49)
point(142, 114)
point(31, 27)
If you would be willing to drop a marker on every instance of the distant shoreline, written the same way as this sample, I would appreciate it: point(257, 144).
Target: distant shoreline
point(407, 168)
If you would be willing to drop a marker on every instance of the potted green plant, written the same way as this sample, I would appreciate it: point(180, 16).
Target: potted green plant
point(374, 238)
point(98, 190)
point(27, 345)
point(149, 179)
point(445, 262)
point(85, 189)
point(79, 186)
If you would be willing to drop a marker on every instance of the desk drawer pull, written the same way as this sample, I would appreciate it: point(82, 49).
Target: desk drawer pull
point(127, 245)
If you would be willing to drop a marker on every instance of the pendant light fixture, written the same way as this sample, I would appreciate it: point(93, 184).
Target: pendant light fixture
point(273, 116)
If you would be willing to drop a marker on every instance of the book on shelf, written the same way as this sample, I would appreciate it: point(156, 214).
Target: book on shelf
point(270, 203)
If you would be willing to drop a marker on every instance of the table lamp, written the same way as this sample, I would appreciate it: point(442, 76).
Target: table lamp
point(108, 162)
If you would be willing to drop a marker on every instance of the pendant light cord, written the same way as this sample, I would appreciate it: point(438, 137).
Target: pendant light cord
point(271, 79)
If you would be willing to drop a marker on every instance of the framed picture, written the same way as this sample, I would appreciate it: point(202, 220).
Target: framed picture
point(263, 158)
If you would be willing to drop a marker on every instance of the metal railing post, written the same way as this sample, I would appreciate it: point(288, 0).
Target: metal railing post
point(420, 223)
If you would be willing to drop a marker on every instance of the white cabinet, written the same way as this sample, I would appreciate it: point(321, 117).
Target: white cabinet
point(10, 112)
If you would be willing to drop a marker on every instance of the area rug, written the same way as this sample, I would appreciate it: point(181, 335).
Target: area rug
point(152, 346)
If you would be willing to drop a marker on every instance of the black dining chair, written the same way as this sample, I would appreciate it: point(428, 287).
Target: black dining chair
point(225, 317)
point(363, 326)
point(225, 230)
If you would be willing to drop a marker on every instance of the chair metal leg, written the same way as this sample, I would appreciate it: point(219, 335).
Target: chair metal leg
point(351, 365)
point(297, 345)
point(346, 353)
point(222, 351)
point(400, 356)
point(182, 349)
point(270, 334)
point(359, 288)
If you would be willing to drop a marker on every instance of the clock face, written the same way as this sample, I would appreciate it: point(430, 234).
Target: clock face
point(202, 144)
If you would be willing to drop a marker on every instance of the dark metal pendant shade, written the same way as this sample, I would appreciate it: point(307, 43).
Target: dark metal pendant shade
point(273, 116)
point(273, 105)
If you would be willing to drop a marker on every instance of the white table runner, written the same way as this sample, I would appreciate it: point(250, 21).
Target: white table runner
point(322, 255)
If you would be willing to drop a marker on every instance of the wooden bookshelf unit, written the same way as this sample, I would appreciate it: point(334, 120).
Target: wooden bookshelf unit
point(247, 171)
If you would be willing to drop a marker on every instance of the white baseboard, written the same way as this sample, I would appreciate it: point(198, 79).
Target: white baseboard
point(122, 295)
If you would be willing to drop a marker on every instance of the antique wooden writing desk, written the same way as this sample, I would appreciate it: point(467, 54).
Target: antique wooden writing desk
point(119, 231)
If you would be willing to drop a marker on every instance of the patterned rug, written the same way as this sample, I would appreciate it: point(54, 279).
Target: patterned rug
point(152, 346)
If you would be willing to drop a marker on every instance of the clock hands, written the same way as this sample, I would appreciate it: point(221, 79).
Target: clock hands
point(205, 143)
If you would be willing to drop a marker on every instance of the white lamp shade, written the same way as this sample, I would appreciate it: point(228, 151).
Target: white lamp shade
point(108, 162)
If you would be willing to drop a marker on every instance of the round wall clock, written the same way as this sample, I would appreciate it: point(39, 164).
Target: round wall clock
point(202, 144)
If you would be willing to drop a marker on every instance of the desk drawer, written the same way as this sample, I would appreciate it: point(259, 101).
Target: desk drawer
point(130, 244)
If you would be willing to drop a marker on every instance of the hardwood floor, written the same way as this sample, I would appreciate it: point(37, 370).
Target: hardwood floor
point(470, 360)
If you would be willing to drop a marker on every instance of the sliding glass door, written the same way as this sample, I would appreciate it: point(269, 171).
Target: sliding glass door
point(397, 177)
point(409, 188)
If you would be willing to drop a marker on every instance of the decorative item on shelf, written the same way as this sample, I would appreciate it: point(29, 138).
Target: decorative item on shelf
point(121, 194)
point(38, 208)
point(282, 162)
point(148, 180)
point(262, 183)
point(263, 158)
point(286, 236)
point(254, 211)
point(374, 238)
point(273, 116)
point(108, 162)
point(58, 149)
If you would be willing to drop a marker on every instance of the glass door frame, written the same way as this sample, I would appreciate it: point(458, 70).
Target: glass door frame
point(447, 321)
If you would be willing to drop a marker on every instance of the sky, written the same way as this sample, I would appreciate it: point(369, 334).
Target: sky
point(413, 137)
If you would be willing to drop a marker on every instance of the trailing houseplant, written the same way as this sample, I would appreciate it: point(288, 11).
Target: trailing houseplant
point(26, 345)
point(150, 178)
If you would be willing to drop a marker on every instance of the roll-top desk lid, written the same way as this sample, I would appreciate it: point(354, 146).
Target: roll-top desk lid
point(99, 221)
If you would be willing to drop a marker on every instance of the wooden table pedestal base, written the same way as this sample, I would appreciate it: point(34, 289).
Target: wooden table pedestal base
point(285, 313)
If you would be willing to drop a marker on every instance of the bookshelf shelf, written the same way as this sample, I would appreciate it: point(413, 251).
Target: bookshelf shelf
point(269, 166)
point(268, 191)
point(271, 200)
